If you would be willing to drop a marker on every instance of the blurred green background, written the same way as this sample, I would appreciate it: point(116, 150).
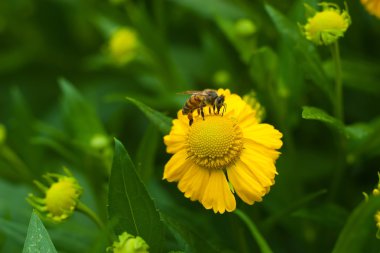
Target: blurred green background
point(60, 90)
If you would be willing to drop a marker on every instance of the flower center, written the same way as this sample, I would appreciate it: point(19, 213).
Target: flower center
point(61, 197)
point(215, 142)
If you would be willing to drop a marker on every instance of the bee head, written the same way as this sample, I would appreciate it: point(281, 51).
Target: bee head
point(219, 103)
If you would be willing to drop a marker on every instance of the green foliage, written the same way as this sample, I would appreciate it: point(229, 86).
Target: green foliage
point(325, 163)
point(353, 237)
point(37, 238)
point(130, 205)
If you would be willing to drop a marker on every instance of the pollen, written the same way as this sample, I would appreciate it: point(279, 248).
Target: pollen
point(214, 143)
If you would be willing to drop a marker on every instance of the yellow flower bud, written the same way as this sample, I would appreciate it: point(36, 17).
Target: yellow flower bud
point(99, 142)
point(326, 26)
point(123, 45)
point(129, 244)
point(245, 27)
point(61, 197)
point(372, 6)
point(251, 100)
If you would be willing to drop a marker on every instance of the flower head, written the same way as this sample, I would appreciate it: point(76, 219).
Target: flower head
point(223, 154)
point(129, 244)
point(61, 197)
point(372, 6)
point(326, 26)
point(123, 45)
point(245, 27)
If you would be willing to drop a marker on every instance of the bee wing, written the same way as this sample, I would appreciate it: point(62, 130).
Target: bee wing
point(194, 92)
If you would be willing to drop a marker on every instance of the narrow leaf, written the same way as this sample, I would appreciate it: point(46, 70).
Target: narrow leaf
point(359, 233)
point(37, 239)
point(160, 120)
point(314, 113)
point(130, 204)
point(311, 62)
point(79, 115)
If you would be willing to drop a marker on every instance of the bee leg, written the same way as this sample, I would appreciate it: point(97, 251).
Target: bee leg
point(209, 110)
point(213, 108)
point(202, 113)
point(190, 117)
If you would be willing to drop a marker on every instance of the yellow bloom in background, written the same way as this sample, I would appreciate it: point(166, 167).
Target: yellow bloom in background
point(326, 26)
point(123, 45)
point(129, 244)
point(61, 197)
point(220, 155)
point(372, 6)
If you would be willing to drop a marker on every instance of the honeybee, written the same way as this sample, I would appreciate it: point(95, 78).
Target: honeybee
point(200, 99)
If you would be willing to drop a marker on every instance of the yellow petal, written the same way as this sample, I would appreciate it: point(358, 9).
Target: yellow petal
point(257, 161)
point(218, 195)
point(272, 153)
point(246, 186)
point(194, 182)
point(176, 166)
point(264, 134)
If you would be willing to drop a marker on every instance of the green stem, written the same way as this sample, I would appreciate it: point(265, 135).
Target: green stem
point(263, 245)
point(338, 81)
point(339, 114)
point(91, 214)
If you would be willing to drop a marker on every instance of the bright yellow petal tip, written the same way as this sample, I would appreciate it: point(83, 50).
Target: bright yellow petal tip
point(372, 6)
point(223, 154)
point(61, 197)
point(328, 25)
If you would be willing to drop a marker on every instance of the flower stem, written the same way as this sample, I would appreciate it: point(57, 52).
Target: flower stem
point(263, 245)
point(91, 214)
point(338, 81)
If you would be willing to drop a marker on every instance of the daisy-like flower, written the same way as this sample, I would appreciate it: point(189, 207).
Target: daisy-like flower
point(326, 26)
point(220, 155)
point(129, 244)
point(372, 6)
point(61, 197)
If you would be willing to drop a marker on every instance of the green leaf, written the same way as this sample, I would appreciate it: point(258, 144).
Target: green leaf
point(37, 238)
point(359, 233)
point(79, 115)
point(189, 240)
point(314, 113)
point(212, 8)
point(162, 121)
point(146, 153)
point(130, 204)
point(310, 59)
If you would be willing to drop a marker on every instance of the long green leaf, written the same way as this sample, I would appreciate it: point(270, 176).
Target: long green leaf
point(359, 233)
point(37, 239)
point(314, 113)
point(79, 115)
point(130, 204)
point(160, 120)
point(307, 52)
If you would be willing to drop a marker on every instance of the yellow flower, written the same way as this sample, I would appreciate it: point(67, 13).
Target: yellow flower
point(129, 244)
point(61, 198)
point(223, 154)
point(326, 26)
point(372, 6)
point(123, 45)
